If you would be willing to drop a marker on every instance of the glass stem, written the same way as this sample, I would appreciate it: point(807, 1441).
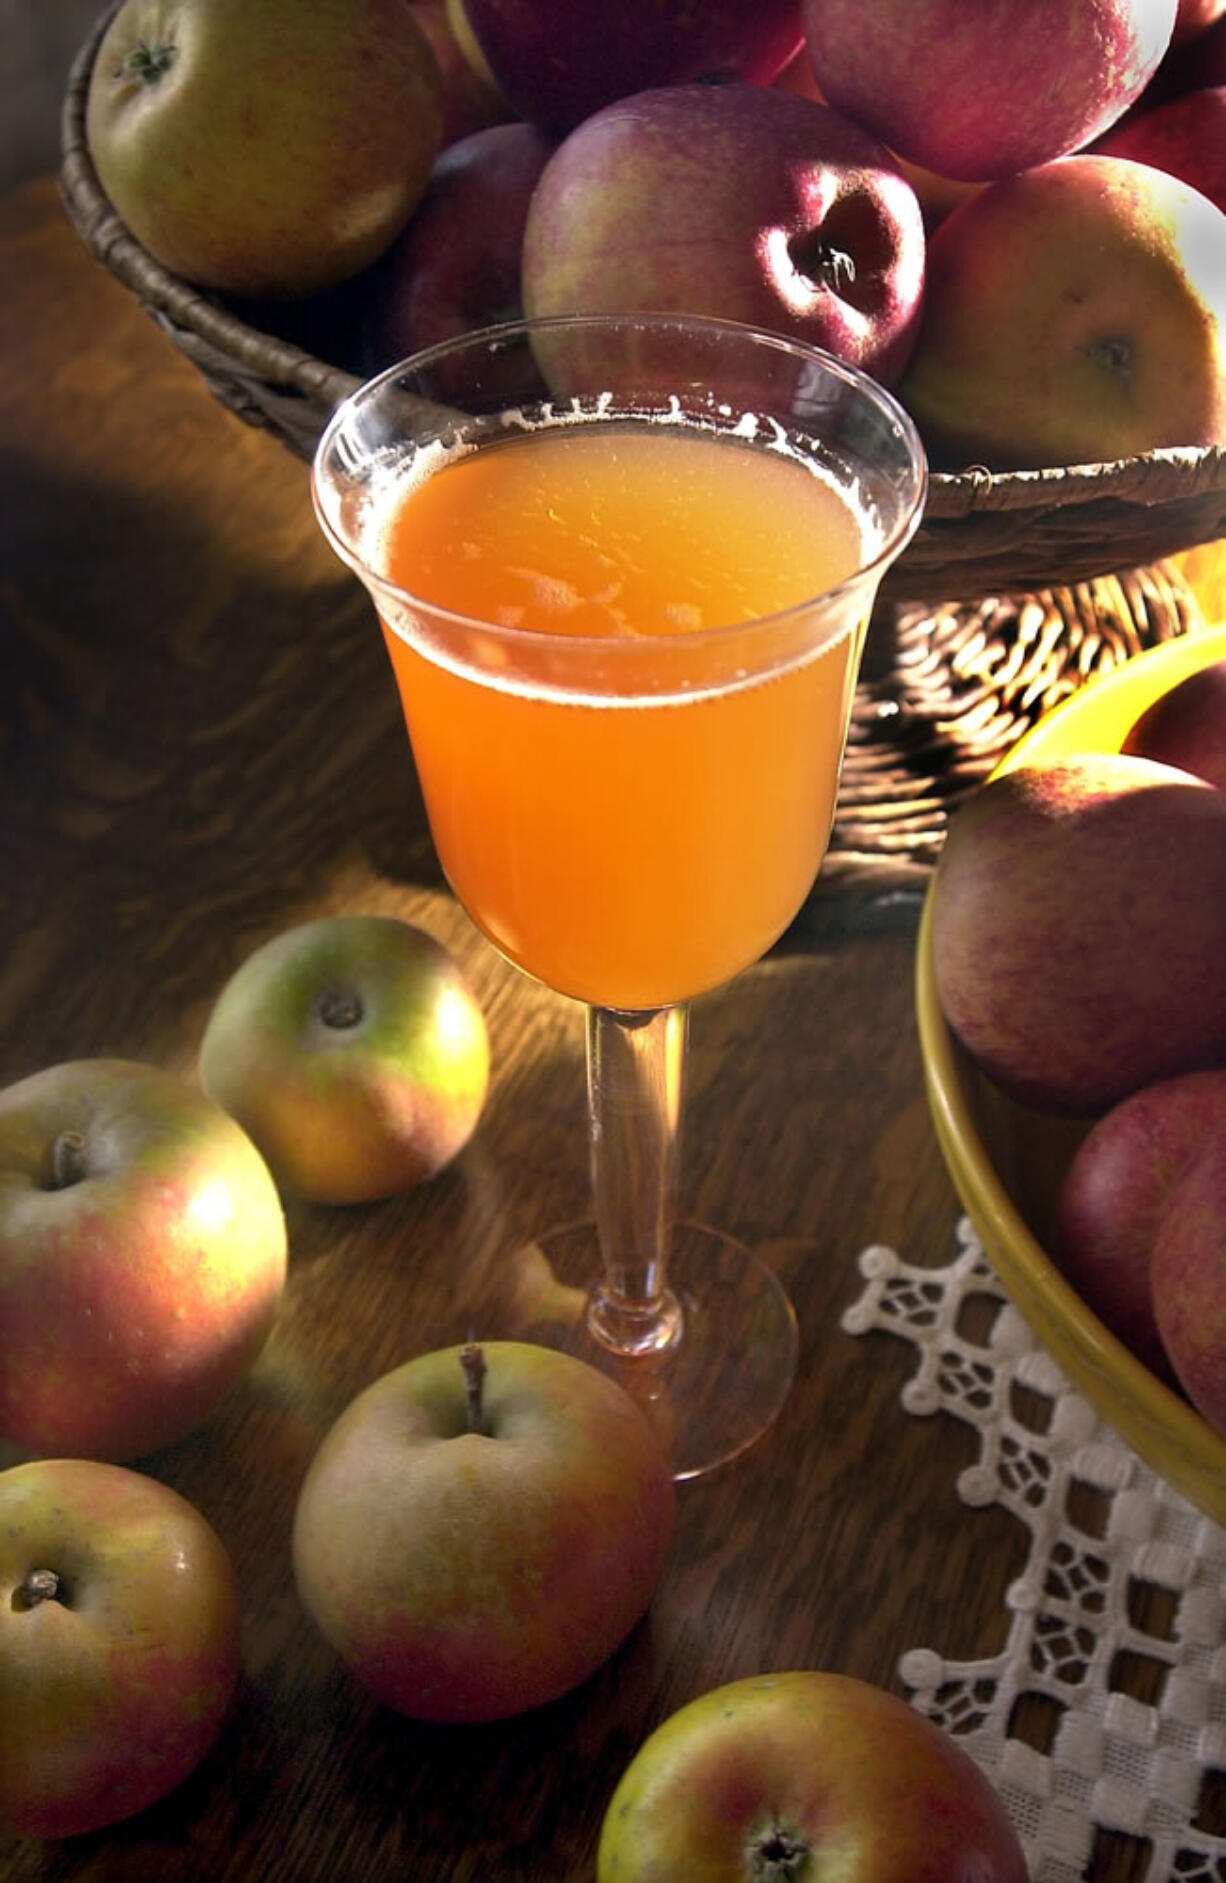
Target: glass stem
point(635, 1067)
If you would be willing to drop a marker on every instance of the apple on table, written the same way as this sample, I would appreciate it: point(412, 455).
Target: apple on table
point(482, 1528)
point(142, 1258)
point(805, 1773)
point(354, 1053)
point(119, 1644)
point(741, 202)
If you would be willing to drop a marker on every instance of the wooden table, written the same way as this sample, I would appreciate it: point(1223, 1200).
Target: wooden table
point(201, 747)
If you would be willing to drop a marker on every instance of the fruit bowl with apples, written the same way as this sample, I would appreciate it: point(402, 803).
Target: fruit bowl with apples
point(1074, 1167)
point(1067, 510)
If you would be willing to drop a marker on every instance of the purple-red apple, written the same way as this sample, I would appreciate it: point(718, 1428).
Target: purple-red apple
point(457, 266)
point(805, 1773)
point(980, 92)
point(468, 99)
point(142, 1258)
point(353, 1052)
point(1187, 1277)
point(481, 1528)
point(264, 150)
point(1195, 17)
point(119, 1644)
point(1186, 726)
point(1072, 314)
point(1184, 136)
point(1078, 917)
point(742, 202)
point(556, 63)
point(1124, 1177)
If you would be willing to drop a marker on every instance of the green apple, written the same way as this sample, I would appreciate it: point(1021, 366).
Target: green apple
point(481, 1528)
point(142, 1258)
point(264, 147)
point(1072, 314)
point(353, 1052)
point(119, 1644)
point(783, 1777)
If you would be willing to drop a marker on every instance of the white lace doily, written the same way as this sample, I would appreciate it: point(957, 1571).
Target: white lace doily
point(1149, 1773)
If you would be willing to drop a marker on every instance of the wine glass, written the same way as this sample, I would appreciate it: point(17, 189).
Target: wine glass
point(624, 567)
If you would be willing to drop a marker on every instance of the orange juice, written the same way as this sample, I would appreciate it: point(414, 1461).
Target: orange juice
point(630, 771)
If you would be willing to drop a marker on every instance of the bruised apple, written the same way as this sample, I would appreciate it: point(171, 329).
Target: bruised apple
point(353, 1052)
point(142, 1258)
point(1079, 926)
point(1072, 314)
point(119, 1644)
point(1186, 726)
point(805, 1774)
point(481, 1528)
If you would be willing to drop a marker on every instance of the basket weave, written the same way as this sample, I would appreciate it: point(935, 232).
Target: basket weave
point(982, 532)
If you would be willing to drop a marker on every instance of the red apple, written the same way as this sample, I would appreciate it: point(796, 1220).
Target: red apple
point(1186, 726)
point(799, 1774)
point(353, 1052)
point(264, 150)
point(1188, 1280)
point(119, 1644)
point(1072, 314)
point(980, 92)
point(1195, 17)
point(468, 100)
point(481, 1528)
point(457, 265)
point(142, 1258)
point(742, 202)
point(1125, 1177)
point(1079, 926)
point(556, 63)
point(1184, 136)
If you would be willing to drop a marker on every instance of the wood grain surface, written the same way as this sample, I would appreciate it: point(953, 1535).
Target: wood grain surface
point(200, 746)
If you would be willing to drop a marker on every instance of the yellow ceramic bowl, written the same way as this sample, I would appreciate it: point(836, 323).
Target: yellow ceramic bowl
point(1007, 1162)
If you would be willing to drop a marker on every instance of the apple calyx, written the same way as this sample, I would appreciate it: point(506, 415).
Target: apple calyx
point(472, 1364)
point(776, 1855)
point(340, 1008)
point(38, 1585)
point(67, 1160)
point(1113, 354)
point(824, 262)
point(148, 63)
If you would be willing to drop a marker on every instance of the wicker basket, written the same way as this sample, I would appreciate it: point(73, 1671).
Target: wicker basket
point(1017, 531)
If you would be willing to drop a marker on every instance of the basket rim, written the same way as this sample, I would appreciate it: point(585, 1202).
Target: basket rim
point(1170, 473)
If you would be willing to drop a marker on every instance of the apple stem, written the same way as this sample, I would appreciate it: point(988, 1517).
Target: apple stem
point(67, 1160)
point(40, 1585)
point(472, 1360)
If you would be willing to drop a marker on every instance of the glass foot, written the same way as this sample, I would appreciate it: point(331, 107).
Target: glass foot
point(722, 1383)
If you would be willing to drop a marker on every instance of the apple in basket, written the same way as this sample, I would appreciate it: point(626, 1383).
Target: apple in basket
point(977, 91)
point(802, 1774)
point(1079, 927)
point(1186, 725)
point(354, 1053)
point(469, 100)
point(457, 265)
point(1073, 314)
point(481, 1528)
point(142, 1258)
point(1185, 136)
point(264, 150)
point(556, 63)
point(737, 201)
point(119, 1644)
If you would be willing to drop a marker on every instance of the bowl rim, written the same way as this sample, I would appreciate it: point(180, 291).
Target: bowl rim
point(1165, 1430)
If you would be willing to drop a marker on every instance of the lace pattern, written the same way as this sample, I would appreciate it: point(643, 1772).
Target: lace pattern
point(1124, 1588)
